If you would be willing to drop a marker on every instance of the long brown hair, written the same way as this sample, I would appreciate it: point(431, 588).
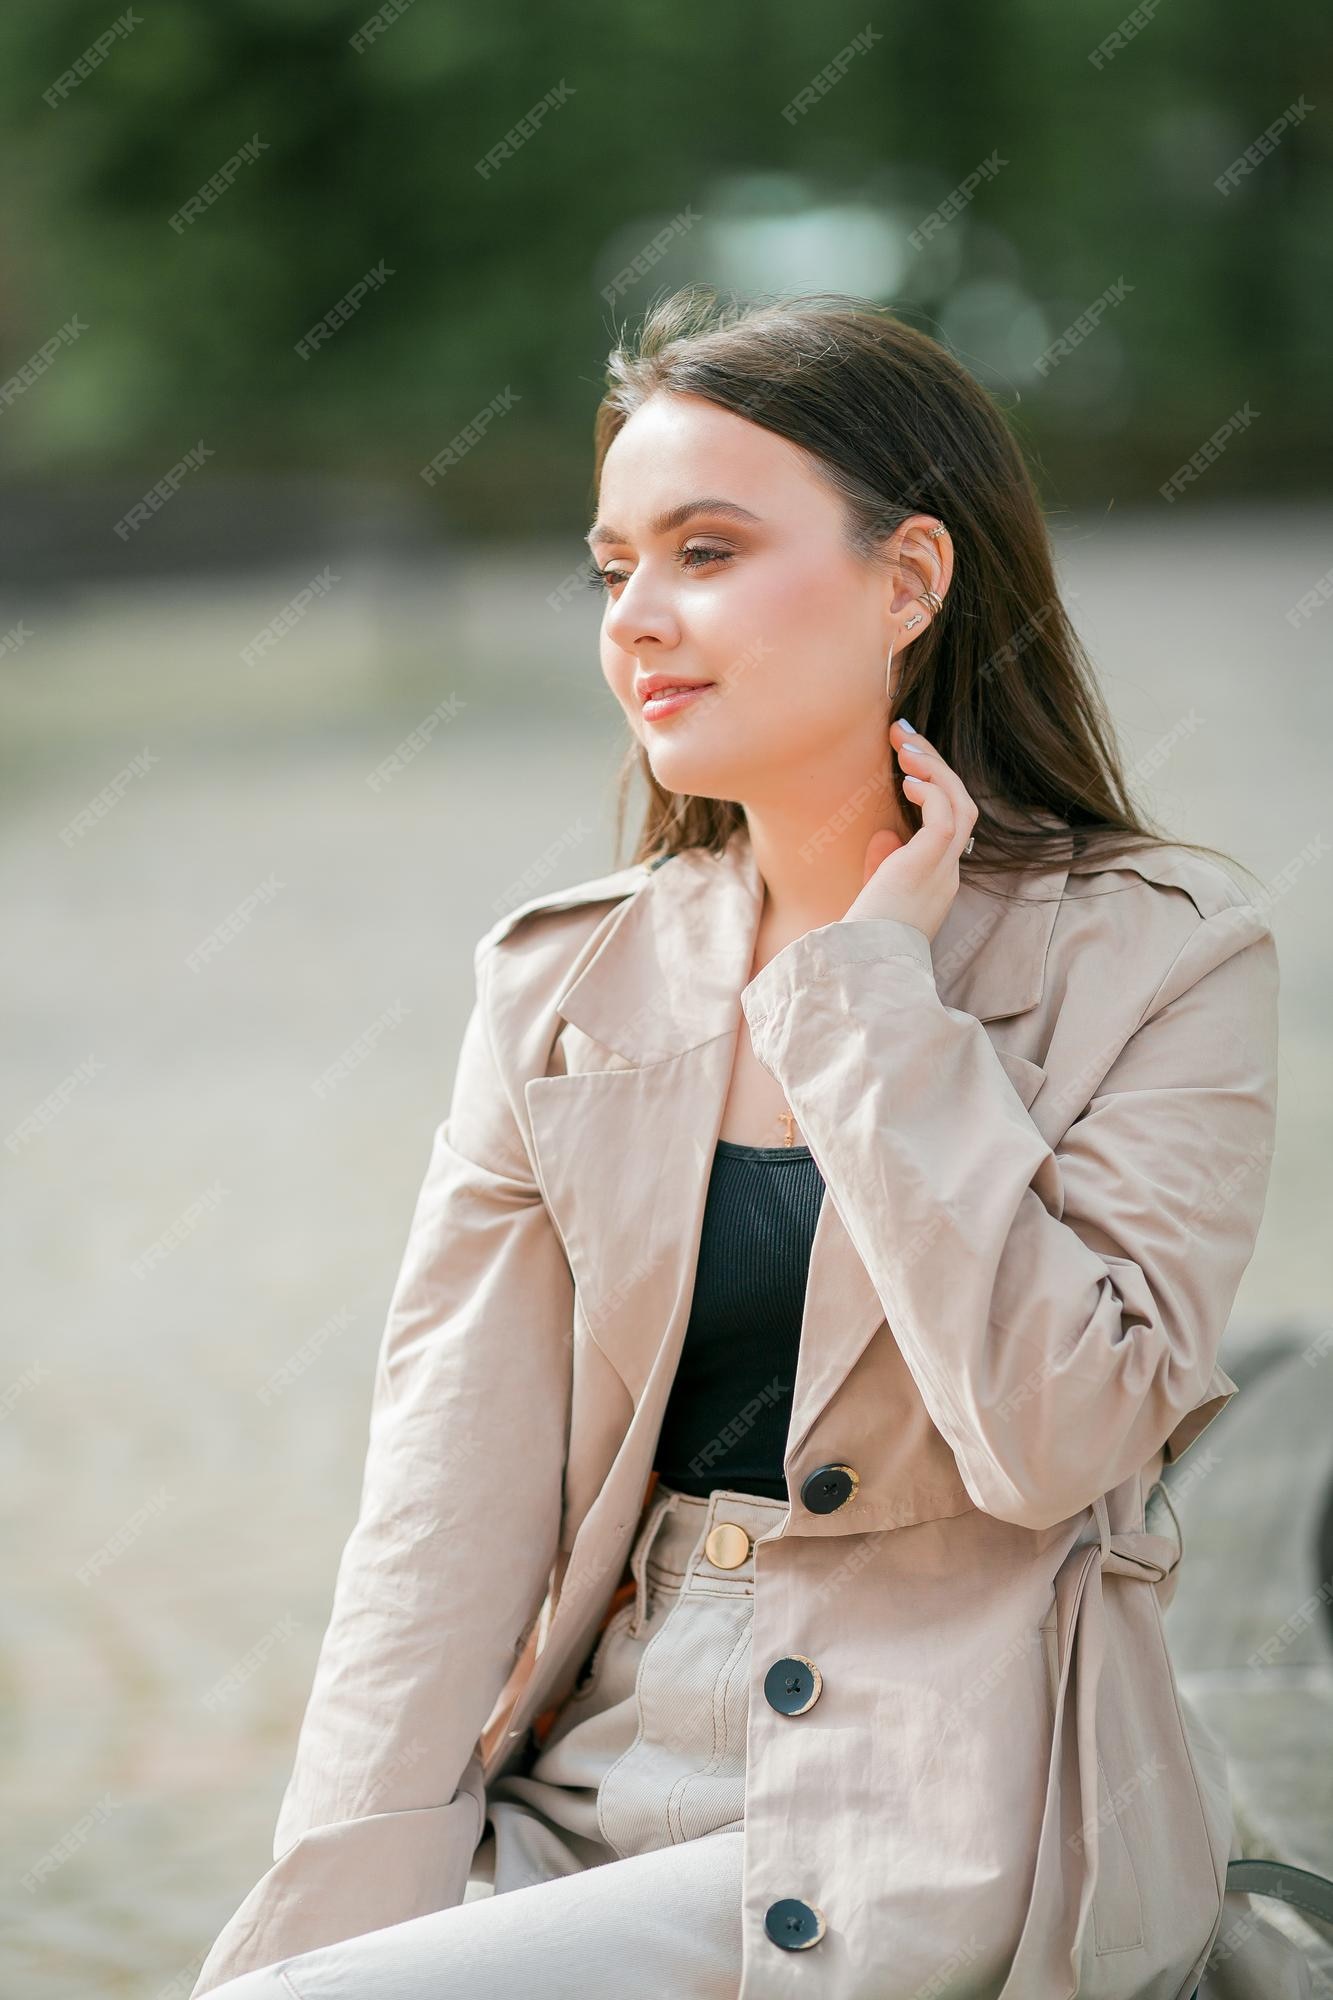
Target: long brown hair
point(999, 680)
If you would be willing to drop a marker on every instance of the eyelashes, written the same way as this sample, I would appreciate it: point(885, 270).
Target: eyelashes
point(602, 579)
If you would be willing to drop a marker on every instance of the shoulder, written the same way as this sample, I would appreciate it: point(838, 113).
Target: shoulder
point(528, 957)
point(1151, 873)
point(1166, 910)
point(575, 904)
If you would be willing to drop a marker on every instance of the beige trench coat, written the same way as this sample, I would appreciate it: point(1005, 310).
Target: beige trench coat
point(1045, 1138)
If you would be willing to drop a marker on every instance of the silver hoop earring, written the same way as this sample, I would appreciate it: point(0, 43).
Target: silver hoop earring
point(888, 674)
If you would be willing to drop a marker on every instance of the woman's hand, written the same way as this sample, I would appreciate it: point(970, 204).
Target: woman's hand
point(916, 880)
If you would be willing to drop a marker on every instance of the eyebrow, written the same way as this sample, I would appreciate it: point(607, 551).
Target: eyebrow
point(674, 517)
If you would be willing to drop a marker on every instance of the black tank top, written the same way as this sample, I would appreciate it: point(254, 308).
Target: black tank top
point(729, 1410)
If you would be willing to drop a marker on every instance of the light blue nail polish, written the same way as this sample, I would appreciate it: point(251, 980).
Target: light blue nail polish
point(912, 750)
point(907, 725)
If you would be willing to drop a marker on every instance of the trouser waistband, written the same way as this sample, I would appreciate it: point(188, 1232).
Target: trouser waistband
point(674, 1542)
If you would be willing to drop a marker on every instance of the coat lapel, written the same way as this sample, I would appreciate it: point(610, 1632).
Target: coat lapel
point(624, 1150)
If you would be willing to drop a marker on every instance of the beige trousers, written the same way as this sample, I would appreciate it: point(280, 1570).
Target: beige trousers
point(620, 1846)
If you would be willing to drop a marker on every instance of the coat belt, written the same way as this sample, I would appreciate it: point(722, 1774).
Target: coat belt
point(1050, 1945)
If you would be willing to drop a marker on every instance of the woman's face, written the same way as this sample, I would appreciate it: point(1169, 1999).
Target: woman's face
point(769, 607)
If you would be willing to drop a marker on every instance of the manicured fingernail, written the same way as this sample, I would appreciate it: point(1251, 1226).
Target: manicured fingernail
point(907, 725)
point(910, 750)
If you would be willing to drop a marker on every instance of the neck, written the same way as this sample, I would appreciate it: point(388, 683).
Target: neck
point(812, 860)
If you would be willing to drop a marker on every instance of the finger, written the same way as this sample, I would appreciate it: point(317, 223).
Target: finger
point(930, 764)
point(915, 750)
point(937, 815)
point(915, 754)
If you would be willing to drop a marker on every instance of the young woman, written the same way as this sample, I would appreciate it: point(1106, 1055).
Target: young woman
point(758, 1580)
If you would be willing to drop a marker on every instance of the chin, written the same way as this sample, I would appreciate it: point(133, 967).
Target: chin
point(684, 768)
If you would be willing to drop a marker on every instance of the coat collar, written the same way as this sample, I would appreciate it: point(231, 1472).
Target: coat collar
point(669, 972)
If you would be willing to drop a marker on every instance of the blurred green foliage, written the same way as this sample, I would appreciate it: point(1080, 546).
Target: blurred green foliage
point(370, 159)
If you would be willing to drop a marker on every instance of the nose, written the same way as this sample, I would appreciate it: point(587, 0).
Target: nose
point(638, 615)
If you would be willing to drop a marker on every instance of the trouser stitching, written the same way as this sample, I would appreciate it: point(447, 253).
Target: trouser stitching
point(721, 1689)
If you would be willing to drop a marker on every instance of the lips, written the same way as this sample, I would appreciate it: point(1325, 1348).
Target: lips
point(657, 686)
point(673, 696)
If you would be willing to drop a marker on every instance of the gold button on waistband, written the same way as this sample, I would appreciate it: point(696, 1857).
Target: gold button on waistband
point(727, 1545)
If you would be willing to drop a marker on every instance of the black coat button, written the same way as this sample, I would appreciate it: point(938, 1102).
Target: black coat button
point(794, 1924)
point(829, 1487)
point(792, 1685)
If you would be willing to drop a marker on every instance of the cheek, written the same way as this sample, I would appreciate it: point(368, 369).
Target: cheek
point(774, 640)
point(803, 610)
point(786, 618)
point(795, 658)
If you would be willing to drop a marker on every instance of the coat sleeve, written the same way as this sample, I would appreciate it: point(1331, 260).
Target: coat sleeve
point(1060, 1309)
point(447, 1564)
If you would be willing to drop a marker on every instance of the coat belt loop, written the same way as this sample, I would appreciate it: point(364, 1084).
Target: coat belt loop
point(1160, 1486)
point(1103, 1518)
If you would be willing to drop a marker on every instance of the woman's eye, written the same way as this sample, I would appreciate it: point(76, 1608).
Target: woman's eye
point(602, 579)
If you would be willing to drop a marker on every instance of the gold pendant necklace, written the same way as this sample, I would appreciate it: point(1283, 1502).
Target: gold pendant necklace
point(788, 1118)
